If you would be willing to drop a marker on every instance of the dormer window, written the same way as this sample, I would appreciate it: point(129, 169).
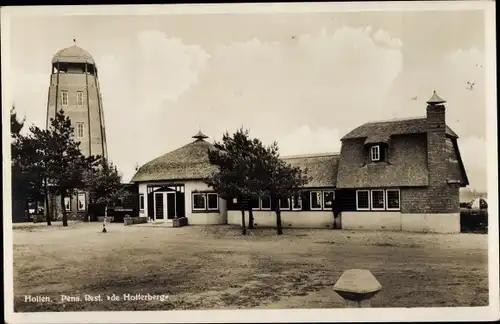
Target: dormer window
point(375, 153)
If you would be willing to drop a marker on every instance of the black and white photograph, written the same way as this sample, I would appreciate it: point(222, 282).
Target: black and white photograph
point(286, 162)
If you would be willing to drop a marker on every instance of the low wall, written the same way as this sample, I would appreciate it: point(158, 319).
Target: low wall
point(431, 223)
point(396, 221)
point(207, 219)
point(305, 219)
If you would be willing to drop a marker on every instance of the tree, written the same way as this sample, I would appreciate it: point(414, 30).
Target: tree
point(234, 158)
point(104, 184)
point(19, 176)
point(62, 164)
point(280, 180)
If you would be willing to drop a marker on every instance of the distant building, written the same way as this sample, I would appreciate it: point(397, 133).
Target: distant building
point(394, 175)
point(74, 88)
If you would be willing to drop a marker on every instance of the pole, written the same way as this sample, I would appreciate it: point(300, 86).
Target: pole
point(105, 218)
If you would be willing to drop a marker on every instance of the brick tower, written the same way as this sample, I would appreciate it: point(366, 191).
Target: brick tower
point(74, 88)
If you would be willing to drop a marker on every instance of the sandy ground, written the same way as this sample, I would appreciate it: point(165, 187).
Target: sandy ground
point(214, 267)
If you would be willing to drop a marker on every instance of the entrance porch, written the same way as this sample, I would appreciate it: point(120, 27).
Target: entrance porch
point(165, 202)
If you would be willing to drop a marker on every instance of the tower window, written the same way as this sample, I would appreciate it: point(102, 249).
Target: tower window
point(79, 98)
point(79, 130)
point(64, 98)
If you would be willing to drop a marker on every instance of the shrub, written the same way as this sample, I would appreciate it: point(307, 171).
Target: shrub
point(474, 220)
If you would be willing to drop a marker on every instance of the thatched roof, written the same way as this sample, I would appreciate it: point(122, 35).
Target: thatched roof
point(385, 129)
point(73, 54)
point(321, 168)
point(407, 165)
point(189, 162)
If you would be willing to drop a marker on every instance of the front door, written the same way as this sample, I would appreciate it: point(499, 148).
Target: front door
point(159, 205)
point(171, 205)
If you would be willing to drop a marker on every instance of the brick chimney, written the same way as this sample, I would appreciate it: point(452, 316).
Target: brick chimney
point(439, 191)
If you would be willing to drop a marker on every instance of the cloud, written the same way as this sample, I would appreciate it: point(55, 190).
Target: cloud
point(385, 37)
point(305, 140)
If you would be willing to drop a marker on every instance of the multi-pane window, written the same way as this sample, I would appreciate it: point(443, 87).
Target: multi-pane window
point(67, 203)
point(285, 203)
point(363, 200)
point(378, 200)
point(199, 201)
point(296, 202)
point(393, 199)
point(205, 201)
point(255, 203)
point(375, 153)
point(328, 197)
point(265, 203)
point(81, 201)
point(79, 98)
point(79, 130)
point(213, 201)
point(64, 98)
point(316, 200)
point(141, 202)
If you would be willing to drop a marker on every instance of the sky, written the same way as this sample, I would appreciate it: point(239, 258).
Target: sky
point(301, 79)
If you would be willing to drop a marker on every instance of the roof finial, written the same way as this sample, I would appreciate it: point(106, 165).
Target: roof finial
point(200, 136)
point(435, 99)
point(74, 41)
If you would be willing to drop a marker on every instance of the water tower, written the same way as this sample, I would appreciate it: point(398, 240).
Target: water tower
point(74, 88)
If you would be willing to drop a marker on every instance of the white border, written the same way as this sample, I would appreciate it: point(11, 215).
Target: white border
point(291, 199)
point(372, 149)
point(324, 200)
point(208, 205)
point(311, 200)
point(203, 194)
point(260, 204)
point(369, 199)
point(141, 196)
point(253, 316)
point(387, 199)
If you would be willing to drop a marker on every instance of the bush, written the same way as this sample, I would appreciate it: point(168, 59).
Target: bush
point(474, 220)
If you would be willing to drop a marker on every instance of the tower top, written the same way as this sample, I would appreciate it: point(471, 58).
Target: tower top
point(73, 54)
point(200, 136)
point(435, 100)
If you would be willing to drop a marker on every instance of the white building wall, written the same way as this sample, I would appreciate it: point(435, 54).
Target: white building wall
point(197, 218)
point(372, 220)
point(304, 219)
point(144, 191)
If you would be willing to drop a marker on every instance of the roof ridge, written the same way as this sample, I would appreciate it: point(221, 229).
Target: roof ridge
point(297, 156)
point(395, 120)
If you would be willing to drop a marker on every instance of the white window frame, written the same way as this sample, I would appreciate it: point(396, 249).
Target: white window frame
point(369, 199)
point(260, 204)
point(69, 205)
point(79, 95)
point(289, 205)
point(375, 153)
point(387, 199)
point(299, 199)
point(324, 200)
point(383, 197)
point(78, 201)
point(64, 95)
point(217, 196)
point(204, 195)
point(311, 200)
point(141, 199)
point(77, 130)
